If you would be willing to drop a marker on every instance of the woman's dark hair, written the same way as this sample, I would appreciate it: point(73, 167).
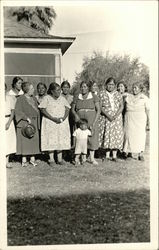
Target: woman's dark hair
point(15, 80)
point(25, 86)
point(41, 83)
point(123, 83)
point(110, 79)
point(52, 87)
point(65, 83)
point(84, 82)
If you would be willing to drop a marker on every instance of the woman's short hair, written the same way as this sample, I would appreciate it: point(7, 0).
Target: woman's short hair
point(25, 86)
point(43, 84)
point(52, 87)
point(110, 79)
point(124, 84)
point(84, 82)
point(138, 84)
point(65, 83)
point(15, 80)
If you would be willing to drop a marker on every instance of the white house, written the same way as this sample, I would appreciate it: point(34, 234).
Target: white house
point(32, 55)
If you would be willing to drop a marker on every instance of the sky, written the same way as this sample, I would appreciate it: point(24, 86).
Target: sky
point(123, 27)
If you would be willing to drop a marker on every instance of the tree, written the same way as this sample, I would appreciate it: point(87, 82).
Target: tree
point(98, 68)
point(40, 18)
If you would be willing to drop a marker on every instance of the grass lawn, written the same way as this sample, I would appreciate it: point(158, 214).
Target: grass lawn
point(108, 203)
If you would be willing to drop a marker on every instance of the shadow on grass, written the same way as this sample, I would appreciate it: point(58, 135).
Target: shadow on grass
point(80, 219)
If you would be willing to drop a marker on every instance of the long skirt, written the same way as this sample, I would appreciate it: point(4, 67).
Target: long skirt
point(135, 132)
point(10, 138)
point(111, 133)
point(26, 146)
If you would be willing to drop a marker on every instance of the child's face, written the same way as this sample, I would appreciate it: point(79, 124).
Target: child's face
point(83, 126)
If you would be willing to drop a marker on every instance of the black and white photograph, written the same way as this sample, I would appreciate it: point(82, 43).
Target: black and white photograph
point(79, 151)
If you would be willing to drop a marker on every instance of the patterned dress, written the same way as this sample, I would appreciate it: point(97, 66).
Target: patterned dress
point(110, 133)
point(85, 109)
point(54, 136)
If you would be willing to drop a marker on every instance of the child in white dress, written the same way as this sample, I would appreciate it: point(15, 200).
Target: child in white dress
point(80, 138)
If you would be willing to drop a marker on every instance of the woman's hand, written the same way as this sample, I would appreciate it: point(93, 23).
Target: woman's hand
point(29, 120)
point(110, 118)
point(77, 118)
point(7, 125)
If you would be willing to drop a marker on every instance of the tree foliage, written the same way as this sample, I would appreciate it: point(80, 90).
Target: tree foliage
point(98, 68)
point(40, 18)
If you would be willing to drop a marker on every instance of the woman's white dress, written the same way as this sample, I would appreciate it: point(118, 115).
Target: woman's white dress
point(10, 133)
point(135, 123)
point(55, 136)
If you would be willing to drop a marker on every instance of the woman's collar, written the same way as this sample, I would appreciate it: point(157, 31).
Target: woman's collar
point(90, 96)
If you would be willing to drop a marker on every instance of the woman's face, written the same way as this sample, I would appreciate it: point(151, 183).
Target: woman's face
point(56, 92)
point(18, 85)
point(136, 90)
point(94, 88)
point(65, 89)
point(31, 90)
point(84, 89)
point(121, 88)
point(110, 87)
point(41, 90)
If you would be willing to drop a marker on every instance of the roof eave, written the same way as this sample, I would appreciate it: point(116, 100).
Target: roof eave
point(64, 42)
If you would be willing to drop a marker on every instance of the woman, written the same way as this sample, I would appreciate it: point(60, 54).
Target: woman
point(26, 111)
point(136, 118)
point(16, 87)
point(94, 88)
point(65, 86)
point(86, 106)
point(110, 121)
point(41, 91)
point(9, 127)
point(122, 88)
point(55, 131)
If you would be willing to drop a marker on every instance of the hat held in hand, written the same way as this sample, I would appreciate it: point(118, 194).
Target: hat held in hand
point(28, 131)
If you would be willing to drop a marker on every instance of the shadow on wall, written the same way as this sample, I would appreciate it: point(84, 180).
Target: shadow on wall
point(80, 219)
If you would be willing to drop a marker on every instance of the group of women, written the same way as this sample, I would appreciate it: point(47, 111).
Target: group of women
point(116, 118)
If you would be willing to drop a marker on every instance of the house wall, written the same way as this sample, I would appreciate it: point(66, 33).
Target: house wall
point(32, 63)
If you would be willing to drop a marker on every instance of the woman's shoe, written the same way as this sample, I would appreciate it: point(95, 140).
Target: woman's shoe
point(60, 163)
point(114, 159)
point(8, 165)
point(33, 163)
point(141, 158)
point(24, 164)
point(94, 162)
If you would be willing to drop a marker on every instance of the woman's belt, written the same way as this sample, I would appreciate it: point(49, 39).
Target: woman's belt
point(86, 110)
point(7, 115)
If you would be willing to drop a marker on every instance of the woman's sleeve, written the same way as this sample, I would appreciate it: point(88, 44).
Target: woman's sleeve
point(147, 103)
point(96, 98)
point(12, 102)
point(19, 114)
point(43, 104)
point(66, 104)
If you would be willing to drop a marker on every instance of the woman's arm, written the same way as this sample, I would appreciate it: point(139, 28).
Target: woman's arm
point(67, 110)
point(109, 117)
point(120, 109)
point(74, 112)
point(50, 117)
point(10, 119)
point(148, 119)
point(97, 107)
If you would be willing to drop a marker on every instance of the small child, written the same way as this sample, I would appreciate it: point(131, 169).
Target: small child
point(80, 138)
